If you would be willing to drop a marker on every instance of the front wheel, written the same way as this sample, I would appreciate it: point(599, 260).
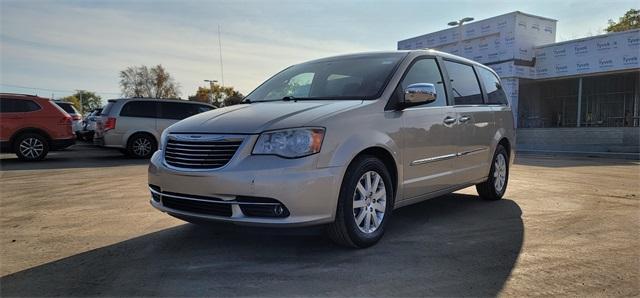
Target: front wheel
point(364, 205)
point(496, 185)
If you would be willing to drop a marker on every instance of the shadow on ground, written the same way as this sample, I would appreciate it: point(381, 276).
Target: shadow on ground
point(449, 246)
point(77, 156)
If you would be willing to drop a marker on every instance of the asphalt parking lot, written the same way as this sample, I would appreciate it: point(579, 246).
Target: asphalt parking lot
point(79, 224)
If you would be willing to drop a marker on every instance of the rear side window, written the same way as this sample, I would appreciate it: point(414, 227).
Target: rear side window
point(105, 111)
point(9, 105)
point(179, 111)
point(28, 106)
point(67, 107)
point(144, 109)
point(466, 89)
point(495, 93)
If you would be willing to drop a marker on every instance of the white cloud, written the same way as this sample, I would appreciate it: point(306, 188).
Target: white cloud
point(86, 47)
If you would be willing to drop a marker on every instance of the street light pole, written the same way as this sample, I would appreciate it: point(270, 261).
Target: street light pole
point(211, 84)
point(459, 24)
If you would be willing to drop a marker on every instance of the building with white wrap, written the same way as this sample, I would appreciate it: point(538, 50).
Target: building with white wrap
point(578, 95)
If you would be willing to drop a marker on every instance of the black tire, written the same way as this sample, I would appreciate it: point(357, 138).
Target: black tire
point(31, 146)
point(344, 230)
point(137, 142)
point(488, 189)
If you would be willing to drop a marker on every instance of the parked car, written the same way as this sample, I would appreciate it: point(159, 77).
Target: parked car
point(89, 125)
point(134, 125)
point(76, 117)
point(30, 126)
point(340, 141)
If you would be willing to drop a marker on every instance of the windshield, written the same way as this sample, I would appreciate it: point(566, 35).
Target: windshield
point(351, 77)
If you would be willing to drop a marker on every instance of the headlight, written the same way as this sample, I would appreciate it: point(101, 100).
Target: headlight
point(290, 143)
point(163, 139)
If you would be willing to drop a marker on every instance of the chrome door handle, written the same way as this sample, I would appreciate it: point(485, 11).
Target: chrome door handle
point(464, 119)
point(449, 120)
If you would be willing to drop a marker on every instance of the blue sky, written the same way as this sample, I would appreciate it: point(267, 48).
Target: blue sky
point(59, 46)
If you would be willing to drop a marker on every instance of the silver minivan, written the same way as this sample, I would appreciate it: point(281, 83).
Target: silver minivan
point(134, 125)
point(340, 142)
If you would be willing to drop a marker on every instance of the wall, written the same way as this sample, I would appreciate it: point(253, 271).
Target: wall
point(505, 37)
point(603, 53)
point(584, 139)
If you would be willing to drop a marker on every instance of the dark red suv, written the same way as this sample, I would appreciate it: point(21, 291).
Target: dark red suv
point(30, 126)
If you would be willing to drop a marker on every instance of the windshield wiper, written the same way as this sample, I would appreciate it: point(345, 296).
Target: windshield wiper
point(290, 98)
point(294, 99)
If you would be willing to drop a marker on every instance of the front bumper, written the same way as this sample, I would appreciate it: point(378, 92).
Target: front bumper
point(308, 193)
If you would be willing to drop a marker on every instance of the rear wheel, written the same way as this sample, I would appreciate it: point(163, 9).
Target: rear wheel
point(31, 147)
point(141, 146)
point(496, 185)
point(364, 205)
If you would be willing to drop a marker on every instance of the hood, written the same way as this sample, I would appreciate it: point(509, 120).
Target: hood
point(260, 116)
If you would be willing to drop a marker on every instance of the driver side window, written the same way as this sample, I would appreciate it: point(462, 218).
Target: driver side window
point(426, 71)
point(297, 86)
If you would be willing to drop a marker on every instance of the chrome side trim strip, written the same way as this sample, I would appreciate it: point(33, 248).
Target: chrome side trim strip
point(445, 157)
point(208, 201)
point(474, 151)
point(432, 159)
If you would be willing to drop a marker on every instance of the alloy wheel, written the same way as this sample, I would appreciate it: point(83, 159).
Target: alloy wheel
point(369, 202)
point(499, 172)
point(141, 147)
point(31, 148)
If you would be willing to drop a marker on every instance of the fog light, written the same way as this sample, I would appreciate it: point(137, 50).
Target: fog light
point(262, 207)
point(154, 196)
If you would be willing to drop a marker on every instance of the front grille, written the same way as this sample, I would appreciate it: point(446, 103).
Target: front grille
point(250, 206)
point(201, 207)
point(200, 154)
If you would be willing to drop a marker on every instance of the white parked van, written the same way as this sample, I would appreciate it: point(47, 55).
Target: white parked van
point(134, 125)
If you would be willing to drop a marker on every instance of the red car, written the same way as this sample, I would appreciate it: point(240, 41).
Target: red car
point(30, 126)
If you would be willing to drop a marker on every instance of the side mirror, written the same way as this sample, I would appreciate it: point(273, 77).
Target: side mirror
point(419, 93)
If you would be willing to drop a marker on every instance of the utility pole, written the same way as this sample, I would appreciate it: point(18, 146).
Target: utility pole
point(81, 102)
point(211, 84)
point(220, 50)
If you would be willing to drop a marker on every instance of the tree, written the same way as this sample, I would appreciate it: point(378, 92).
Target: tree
point(84, 101)
point(141, 81)
point(630, 20)
point(222, 96)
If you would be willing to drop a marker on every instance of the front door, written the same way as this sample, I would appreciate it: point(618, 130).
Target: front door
point(429, 135)
point(476, 132)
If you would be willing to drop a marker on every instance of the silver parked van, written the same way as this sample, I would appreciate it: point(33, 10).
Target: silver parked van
point(341, 142)
point(134, 125)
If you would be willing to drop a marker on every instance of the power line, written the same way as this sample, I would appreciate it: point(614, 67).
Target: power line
point(52, 90)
